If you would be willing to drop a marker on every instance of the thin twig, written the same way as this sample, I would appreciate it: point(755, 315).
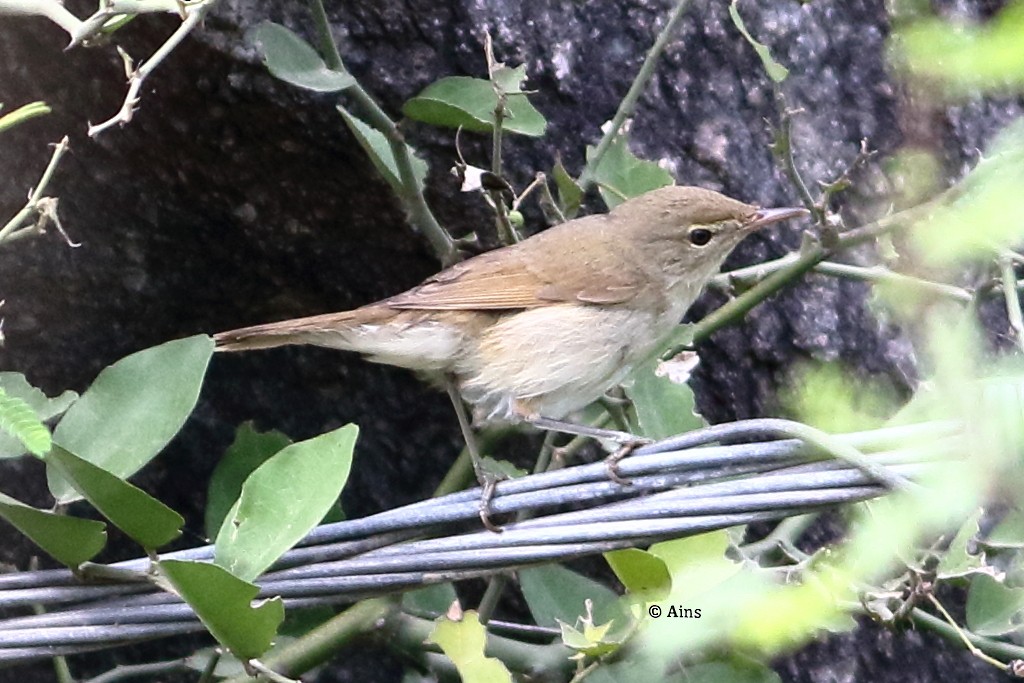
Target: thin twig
point(783, 148)
point(409, 192)
point(194, 16)
point(1012, 298)
point(327, 48)
point(628, 103)
point(923, 619)
point(877, 274)
point(124, 672)
point(51, 9)
point(268, 673)
point(974, 650)
point(318, 645)
point(31, 210)
point(794, 266)
point(109, 9)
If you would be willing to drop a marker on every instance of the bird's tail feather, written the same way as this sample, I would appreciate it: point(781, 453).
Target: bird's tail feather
point(333, 330)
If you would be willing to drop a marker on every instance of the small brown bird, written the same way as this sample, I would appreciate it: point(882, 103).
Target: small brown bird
point(539, 329)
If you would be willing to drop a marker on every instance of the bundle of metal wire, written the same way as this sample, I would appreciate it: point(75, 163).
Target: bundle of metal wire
point(678, 487)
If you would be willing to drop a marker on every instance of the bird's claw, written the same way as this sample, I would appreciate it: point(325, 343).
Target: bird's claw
point(612, 461)
point(488, 482)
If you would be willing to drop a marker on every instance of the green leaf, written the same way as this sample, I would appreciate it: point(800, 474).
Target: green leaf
point(696, 564)
point(381, 155)
point(644, 575)
point(69, 540)
point(145, 519)
point(282, 500)
point(19, 420)
point(249, 450)
point(22, 114)
point(975, 222)
point(470, 103)
point(621, 175)
point(993, 609)
point(966, 59)
point(570, 194)
point(291, 59)
point(775, 71)
point(554, 593)
point(837, 399)
point(463, 642)
point(1009, 532)
point(509, 80)
point(430, 600)
point(663, 408)
point(15, 385)
point(224, 604)
point(133, 408)
point(956, 561)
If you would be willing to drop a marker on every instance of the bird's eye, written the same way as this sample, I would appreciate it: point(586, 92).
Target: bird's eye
point(700, 236)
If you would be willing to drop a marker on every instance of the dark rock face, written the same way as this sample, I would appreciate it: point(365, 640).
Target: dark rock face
point(233, 199)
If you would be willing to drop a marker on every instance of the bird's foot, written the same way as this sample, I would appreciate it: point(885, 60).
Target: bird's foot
point(484, 509)
point(488, 478)
point(613, 460)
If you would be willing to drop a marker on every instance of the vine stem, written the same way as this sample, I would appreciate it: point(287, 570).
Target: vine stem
point(409, 192)
point(628, 103)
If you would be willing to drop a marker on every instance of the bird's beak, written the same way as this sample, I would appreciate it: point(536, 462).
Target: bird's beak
point(763, 217)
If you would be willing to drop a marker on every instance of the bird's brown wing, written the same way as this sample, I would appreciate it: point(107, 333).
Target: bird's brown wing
point(529, 275)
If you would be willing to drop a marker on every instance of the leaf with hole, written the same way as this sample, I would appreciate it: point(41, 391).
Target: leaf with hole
point(463, 643)
point(223, 603)
point(554, 593)
point(282, 500)
point(621, 175)
point(249, 450)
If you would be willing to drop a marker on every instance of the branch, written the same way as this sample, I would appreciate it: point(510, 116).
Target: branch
point(791, 267)
point(38, 207)
point(409, 194)
point(51, 9)
point(628, 104)
point(194, 14)
point(1012, 297)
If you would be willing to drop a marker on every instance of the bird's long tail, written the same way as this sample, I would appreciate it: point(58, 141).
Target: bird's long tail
point(333, 330)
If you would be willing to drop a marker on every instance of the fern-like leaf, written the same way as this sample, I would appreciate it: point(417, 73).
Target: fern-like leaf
point(19, 420)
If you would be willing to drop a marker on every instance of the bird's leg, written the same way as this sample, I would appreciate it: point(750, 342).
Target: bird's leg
point(564, 427)
point(487, 480)
point(627, 442)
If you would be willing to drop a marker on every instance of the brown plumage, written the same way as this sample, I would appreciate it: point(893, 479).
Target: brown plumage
point(545, 326)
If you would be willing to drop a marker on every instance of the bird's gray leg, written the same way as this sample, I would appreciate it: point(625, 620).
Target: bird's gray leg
point(564, 427)
point(627, 442)
point(487, 480)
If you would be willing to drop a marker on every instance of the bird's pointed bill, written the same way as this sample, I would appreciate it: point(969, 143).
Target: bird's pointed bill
point(765, 216)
